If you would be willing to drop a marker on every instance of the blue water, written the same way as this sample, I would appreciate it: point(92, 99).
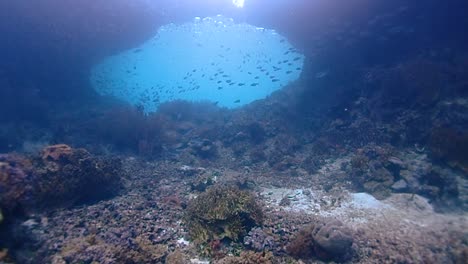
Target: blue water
point(212, 59)
point(115, 114)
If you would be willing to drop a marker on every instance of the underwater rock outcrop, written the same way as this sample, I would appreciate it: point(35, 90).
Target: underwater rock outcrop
point(221, 213)
point(67, 176)
point(326, 239)
point(58, 176)
point(15, 181)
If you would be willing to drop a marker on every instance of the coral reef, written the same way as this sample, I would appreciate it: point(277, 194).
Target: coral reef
point(249, 257)
point(15, 181)
point(67, 176)
point(128, 129)
point(370, 170)
point(258, 240)
point(326, 239)
point(204, 149)
point(451, 146)
point(91, 249)
point(222, 213)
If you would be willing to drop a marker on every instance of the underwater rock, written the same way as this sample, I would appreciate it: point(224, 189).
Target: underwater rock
point(15, 181)
point(222, 213)
point(326, 239)
point(450, 145)
point(203, 148)
point(334, 238)
point(400, 185)
point(55, 152)
point(67, 176)
point(260, 241)
point(177, 257)
point(249, 257)
point(370, 170)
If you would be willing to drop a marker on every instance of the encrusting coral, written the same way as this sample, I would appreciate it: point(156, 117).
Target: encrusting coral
point(69, 176)
point(58, 176)
point(15, 181)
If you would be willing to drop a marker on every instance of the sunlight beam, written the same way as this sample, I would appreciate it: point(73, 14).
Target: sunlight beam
point(238, 3)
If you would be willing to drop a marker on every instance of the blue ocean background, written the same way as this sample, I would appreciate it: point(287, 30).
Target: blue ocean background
point(220, 131)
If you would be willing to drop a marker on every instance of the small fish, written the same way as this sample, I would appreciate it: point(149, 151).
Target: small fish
point(321, 74)
point(194, 70)
point(225, 75)
point(219, 82)
point(228, 81)
point(288, 72)
point(219, 88)
point(241, 84)
point(237, 101)
point(137, 50)
point(254, 84)
point(297, 58)
point(256, 77)
point(275, 80)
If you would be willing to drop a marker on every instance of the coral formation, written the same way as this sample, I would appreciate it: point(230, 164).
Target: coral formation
point(451, 146)
point(15, 181)
point(222, 213)
point(129, 129)
point(326, 239)
point(92, 249)
point(370, 170)
point(249, 257)
point(67, 176)
point(258, 240)
point(56, 152)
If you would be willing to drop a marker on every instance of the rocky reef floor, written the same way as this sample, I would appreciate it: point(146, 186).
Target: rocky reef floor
point(145, 223)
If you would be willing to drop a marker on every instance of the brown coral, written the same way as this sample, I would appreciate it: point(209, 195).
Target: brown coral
point(326, 239)
point(15, 181)
point(67, 176)
point(221, 213)
point(55, 152)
